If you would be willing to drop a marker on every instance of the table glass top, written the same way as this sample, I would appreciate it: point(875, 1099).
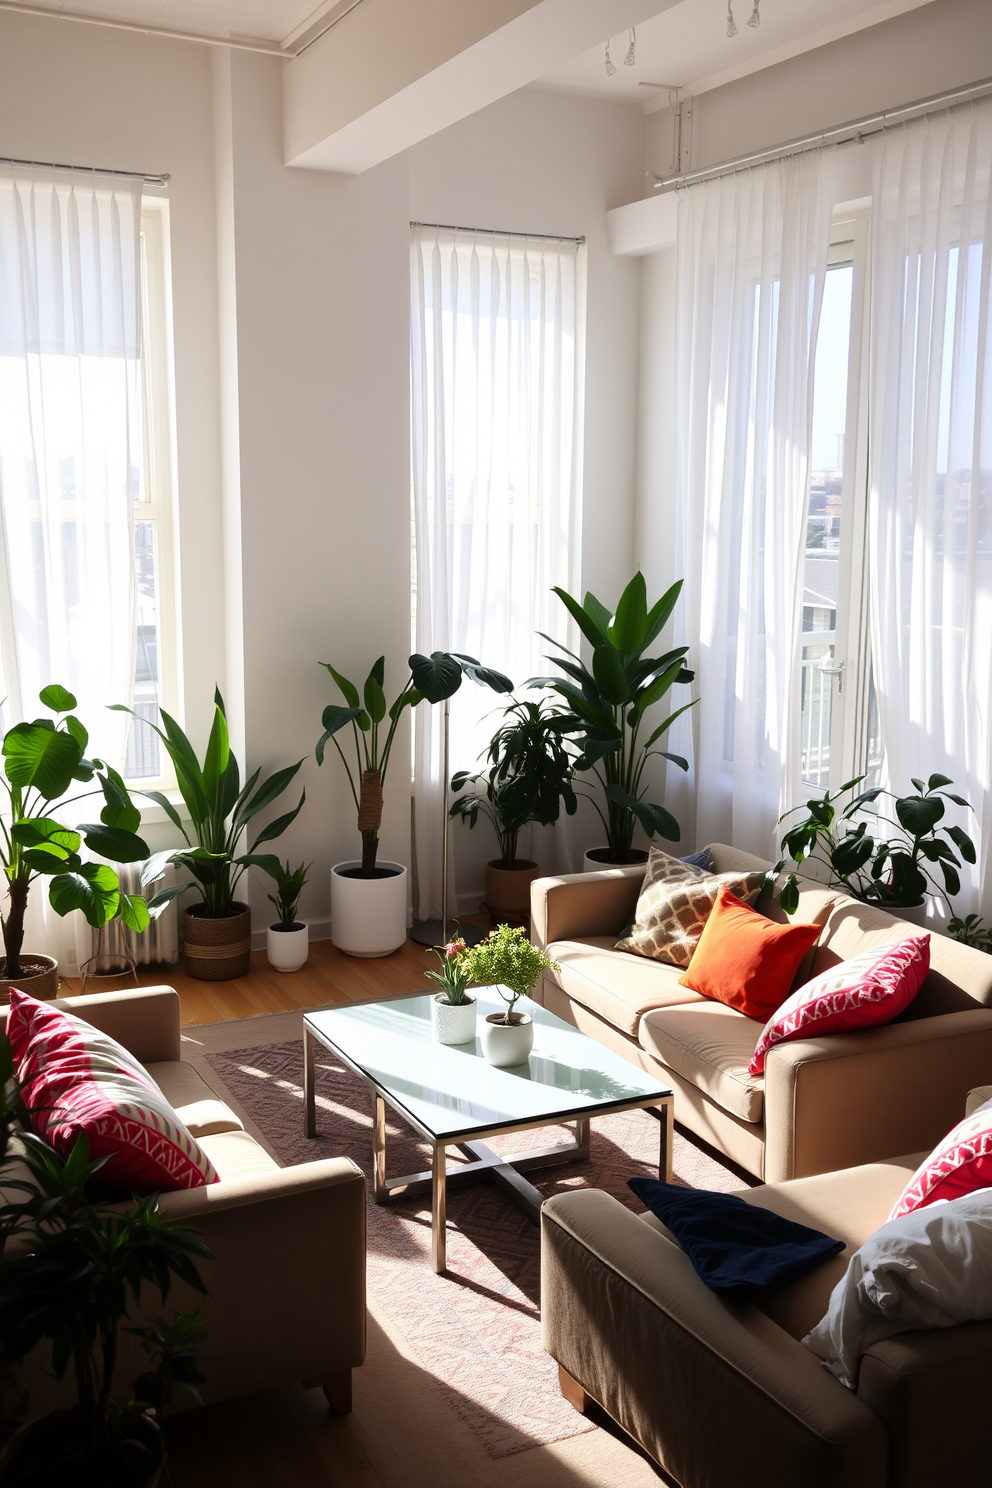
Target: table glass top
point(450, 1090)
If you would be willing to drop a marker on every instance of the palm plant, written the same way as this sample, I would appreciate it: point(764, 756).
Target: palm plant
point(41, 760)
point(432, 678)
point(608, 702)
point(220, 809)
point(529, 779)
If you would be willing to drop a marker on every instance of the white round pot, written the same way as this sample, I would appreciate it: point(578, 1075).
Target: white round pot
point(453, 1022)
point(368, 915)
point(507, 1044)
point(916, 914)
point(287, 949)
point(596, 865)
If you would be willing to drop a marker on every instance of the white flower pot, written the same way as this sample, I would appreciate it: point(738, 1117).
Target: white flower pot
point(597, 865)
point(368, 915)
point(453, 1022)
point(287, 950)
point(507, 1044)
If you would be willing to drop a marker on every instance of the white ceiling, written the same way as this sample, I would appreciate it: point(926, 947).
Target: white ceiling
point(688, 46)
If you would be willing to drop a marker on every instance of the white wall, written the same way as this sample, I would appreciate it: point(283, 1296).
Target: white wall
point(291, 301)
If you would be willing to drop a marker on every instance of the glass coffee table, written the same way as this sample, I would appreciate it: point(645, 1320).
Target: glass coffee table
point(453, 1098)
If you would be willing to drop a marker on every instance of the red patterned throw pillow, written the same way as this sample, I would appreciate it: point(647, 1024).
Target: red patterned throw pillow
point(76, 1081)
point(872, 988)
point(958, 1165)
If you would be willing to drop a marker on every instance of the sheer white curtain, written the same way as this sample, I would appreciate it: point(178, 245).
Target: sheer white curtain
point(752, 257)
point(70, 444)
point(930, 493)
point(494, 365)
point(70, 455)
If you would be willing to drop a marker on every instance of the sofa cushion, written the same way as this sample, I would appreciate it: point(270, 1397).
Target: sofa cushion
point(674, 904)
point(960, 1163)
point(746, 961)
point(200, 1111)
point(235, 1154)
point(614, 986)
point(711, 1046)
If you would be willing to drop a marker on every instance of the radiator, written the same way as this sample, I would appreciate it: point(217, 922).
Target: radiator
point(160, 942)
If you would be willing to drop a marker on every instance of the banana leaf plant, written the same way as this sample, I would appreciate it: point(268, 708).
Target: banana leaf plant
point(607, 706)
point(220, 809)
point(432, 679)
point(879, 861)
point(41, 760)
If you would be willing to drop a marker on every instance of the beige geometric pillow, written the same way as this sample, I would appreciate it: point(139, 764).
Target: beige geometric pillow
point(674, 904)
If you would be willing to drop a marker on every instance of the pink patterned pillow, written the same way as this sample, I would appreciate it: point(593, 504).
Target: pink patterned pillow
point(958, 1165)
point(76, 1081)
point(873, 987)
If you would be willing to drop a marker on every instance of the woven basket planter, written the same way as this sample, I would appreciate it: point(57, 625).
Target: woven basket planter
point(217, 949)
point(41, 981)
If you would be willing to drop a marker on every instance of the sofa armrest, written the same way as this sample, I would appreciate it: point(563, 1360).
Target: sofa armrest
point(852, 1098)
point(576, 904)
point(916, 1383)
point(626, 1316)
point(286, 1288)
point(144, 1019)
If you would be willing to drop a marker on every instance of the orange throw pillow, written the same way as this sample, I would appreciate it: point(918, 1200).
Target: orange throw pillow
point(746, 961)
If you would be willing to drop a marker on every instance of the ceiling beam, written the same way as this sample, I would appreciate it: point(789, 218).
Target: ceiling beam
point(393, 72)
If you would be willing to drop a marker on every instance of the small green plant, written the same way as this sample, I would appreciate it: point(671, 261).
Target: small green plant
point(508, 961)
point(972, 931)
point(452, 977)
point(289, 884)
point(876, 860)
point(529, 779)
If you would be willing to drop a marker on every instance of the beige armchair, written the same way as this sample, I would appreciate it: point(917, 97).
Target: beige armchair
point(723, 1393)
point(822, 1103)
point(287, 1286)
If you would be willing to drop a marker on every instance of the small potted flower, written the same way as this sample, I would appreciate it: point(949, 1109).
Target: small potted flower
point(452, 1009)
point(287, 942)
point(508, 961)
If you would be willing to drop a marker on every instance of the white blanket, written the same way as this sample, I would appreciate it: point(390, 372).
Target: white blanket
point(928, 1269)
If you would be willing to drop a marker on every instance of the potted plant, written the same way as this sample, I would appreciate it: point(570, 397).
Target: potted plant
point(368, 897)
point(607, 704)
point(78, 1268)
point(508, 961)
point(217, 930)
point(452, 1009)
point(879, 861)
point(529, 778)
point(287, 943)
point(41, 760)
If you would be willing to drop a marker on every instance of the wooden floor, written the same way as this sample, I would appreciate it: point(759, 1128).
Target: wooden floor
point(328, 976)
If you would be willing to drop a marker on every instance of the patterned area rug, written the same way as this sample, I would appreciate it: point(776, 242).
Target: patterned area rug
point(477, 1329)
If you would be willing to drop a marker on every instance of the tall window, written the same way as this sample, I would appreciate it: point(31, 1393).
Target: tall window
point(85, 454)
point(494, 370)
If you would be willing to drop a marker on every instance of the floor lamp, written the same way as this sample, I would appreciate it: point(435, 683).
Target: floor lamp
point(435, 932)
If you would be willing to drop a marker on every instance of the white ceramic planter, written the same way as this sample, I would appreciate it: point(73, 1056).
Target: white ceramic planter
point(287, 950)
point(368, 915)
point(594, 865)
point(507, 1044)
point(453, 1022)
point(916, 914)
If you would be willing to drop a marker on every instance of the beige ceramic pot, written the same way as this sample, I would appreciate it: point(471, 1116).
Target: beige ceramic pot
point(217, 949)
point(508, 891)
point(39, 978)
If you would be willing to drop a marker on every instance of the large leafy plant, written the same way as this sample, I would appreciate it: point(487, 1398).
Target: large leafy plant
point(608, 703)
point(871, 857)
point(529, 779)
point(41, 761)
point(220, 809)
point(432, 679)
point(74, 1271)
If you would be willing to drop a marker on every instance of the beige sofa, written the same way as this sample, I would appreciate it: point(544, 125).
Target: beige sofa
point(822, 1103)
point(287, 1286)
point(723, 1393)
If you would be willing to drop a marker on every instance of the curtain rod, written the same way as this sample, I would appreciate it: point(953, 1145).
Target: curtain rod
point(855, 131)
point(495, 232)
point(89, 170)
